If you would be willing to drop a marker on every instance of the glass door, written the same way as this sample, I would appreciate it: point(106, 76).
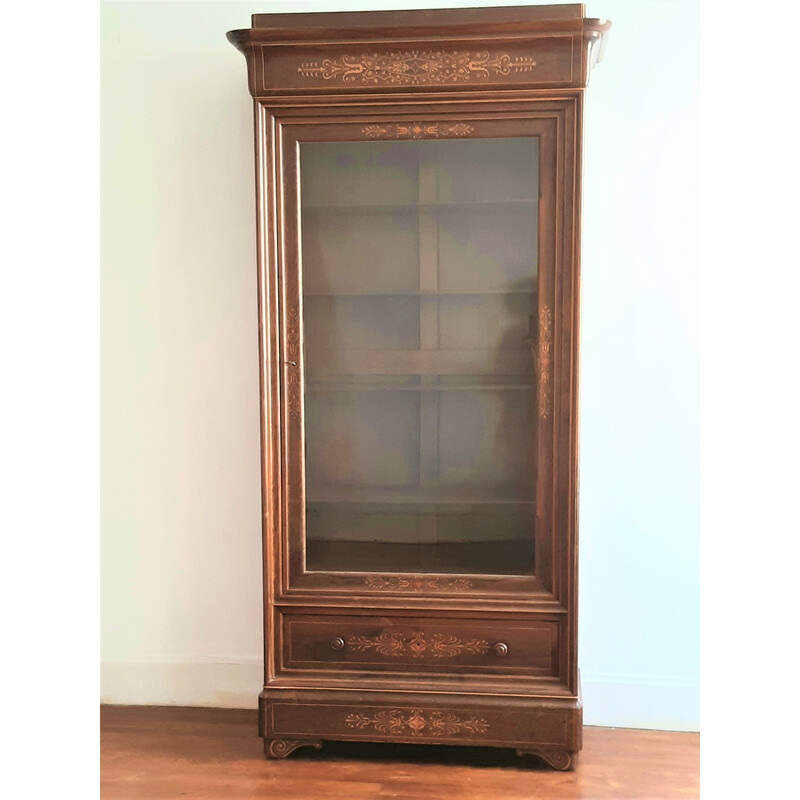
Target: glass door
point(419, 262)
point(413, 336)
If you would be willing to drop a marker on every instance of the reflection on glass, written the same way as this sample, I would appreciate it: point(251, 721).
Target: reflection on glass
point(419, 300)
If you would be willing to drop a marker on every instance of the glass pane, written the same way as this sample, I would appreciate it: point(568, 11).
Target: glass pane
point(420, 273)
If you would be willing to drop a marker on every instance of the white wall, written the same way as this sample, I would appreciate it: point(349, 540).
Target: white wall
point(181, 591)
point(639, 513)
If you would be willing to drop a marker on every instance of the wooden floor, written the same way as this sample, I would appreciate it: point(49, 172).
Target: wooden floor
point(164, 753)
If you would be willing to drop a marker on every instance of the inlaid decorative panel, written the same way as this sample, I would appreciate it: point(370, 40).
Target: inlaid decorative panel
point(418, 645)
point(417, 583)
point(417, 722)
point(415, 67)
point(348, 719)
point(417, 130)
point(545, 60)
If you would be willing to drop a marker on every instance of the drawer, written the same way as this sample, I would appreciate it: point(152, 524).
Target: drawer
point(429, 644)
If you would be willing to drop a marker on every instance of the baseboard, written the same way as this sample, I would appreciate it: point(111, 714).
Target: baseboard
point(182, 682)
point(608, 701)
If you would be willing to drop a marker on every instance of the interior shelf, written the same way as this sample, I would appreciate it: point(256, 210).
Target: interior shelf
point(377, 208)
point(500, 557)
point(417, 495)
point(516, 362)
point(382, 387)
point(437, 293)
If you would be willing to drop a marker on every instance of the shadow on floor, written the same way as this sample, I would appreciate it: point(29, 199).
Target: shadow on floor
point(419, 754)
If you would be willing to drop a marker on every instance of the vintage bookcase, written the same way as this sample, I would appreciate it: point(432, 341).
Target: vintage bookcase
point(418, 195)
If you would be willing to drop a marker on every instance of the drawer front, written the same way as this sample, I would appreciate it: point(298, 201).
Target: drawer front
point(422, 643)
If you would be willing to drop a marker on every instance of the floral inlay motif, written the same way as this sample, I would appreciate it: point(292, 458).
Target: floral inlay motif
point(545, 344)
point(417, 583)
point(417, 645)
point(543, 356)
point(293, 350)
point(416, 67)
point(417, 722)
point(417, 130)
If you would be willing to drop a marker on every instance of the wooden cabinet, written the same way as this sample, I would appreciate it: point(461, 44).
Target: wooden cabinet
point(417, 203)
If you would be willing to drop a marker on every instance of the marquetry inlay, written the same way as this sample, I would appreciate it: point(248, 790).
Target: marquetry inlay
point(417, 130)
point(418, 645)
point(417, 583)
point(293, 351)
point(416, 67)
point(418, 723)
point(545, 346)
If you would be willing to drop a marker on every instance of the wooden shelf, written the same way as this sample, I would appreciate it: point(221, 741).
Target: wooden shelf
point(517, 362)
point(378, 208)
point(381, 387)
point(439, 293)
point(502, 557)
point(414, 495)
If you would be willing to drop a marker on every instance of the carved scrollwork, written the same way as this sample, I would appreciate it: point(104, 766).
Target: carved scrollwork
point(417, 722)
point(416, 67)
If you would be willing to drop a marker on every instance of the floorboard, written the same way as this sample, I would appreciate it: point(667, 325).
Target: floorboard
point(162, 753)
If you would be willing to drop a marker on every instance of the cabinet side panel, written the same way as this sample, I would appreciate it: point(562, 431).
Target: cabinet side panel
point(565, 364)
point(572, 618)
point(268, 360)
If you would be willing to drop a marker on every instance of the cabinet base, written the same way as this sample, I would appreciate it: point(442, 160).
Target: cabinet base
point(549, 728)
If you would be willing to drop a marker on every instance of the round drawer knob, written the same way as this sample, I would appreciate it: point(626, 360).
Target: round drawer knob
point(337, 643)
point(501, 649)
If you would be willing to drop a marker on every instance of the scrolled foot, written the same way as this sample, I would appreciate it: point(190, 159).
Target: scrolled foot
point(557, 759)
point(280, 748)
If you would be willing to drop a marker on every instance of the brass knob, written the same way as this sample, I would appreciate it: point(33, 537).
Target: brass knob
point(337, 643)
point(501, 649)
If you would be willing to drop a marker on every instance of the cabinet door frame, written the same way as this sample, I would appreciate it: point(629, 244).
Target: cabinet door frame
point(281, 124)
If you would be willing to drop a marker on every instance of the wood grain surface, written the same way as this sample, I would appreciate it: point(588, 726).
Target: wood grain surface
point(165, 753)
point(512, 678)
